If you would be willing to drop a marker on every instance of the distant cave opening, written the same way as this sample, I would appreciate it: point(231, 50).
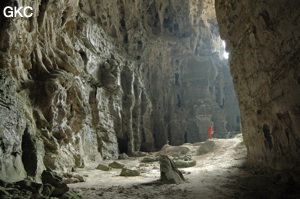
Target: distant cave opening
point(123, 146)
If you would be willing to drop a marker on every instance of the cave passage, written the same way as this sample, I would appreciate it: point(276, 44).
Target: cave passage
point(92, 93)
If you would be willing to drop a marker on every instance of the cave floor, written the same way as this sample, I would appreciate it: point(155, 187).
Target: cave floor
point(221, 173)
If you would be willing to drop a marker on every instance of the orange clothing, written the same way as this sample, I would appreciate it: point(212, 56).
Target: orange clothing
point(210, 132)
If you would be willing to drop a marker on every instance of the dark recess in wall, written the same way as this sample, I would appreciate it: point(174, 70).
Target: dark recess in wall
point(29, 157)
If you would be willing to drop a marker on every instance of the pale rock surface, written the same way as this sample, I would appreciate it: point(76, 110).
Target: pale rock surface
point(82, 81)
point(169, 173)
point(263, 41)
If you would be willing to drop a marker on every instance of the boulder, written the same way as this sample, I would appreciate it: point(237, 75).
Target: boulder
point(185, 164)
point(70, 178)
point(47, 189)
point(206, 147)
point(129, 172)
point(35, 188)
point(4, 193)
point(123, 156)
point(103, 167)
point(25, 189)
point(149, 159)
point(169, 173)
point(187, 158)
point(116, 165)
point(79, 177)
point(60, 187)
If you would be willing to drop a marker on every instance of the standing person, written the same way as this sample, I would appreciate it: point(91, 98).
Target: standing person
point(210, 132)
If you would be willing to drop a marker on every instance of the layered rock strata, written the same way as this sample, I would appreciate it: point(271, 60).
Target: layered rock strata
point(84, 80)
point(263, 41)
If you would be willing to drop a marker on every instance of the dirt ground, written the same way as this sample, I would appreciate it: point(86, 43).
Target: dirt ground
point(220, 172)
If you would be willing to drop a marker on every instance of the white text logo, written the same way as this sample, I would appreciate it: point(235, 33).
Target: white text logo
point(18, 12)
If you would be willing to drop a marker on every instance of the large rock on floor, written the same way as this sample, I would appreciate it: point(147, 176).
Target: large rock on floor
point(116, 165)
point(185, 164)
point(103, 167)
point(123, 156)
point(129, 172)
point(26, 189)
point(206, 147)
point(169, 174)
point(49, 177)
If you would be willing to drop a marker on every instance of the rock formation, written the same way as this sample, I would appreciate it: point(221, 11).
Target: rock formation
point(129, 172)
point(263, 41)
point(169, 173)
point(82, 81)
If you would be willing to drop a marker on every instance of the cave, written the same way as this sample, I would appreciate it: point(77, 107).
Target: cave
point(98, 99)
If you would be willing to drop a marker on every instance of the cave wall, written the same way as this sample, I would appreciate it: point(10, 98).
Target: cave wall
point(263, 40)
point(179, 54)
point(84, 80)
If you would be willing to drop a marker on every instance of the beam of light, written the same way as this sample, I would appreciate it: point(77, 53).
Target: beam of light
point(225, 54)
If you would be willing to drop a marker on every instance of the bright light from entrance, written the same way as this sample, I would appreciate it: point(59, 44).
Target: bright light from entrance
point(225, 54)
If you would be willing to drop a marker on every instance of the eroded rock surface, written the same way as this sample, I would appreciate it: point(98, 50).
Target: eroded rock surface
point(263, 41)
point(169, 173)
point(82, 81)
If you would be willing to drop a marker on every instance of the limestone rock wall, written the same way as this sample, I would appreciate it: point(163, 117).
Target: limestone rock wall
point(263, 39)
point(84, 80)
point(179, 54)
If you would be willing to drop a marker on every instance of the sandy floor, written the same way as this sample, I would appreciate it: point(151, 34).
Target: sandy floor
point(221, 173)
